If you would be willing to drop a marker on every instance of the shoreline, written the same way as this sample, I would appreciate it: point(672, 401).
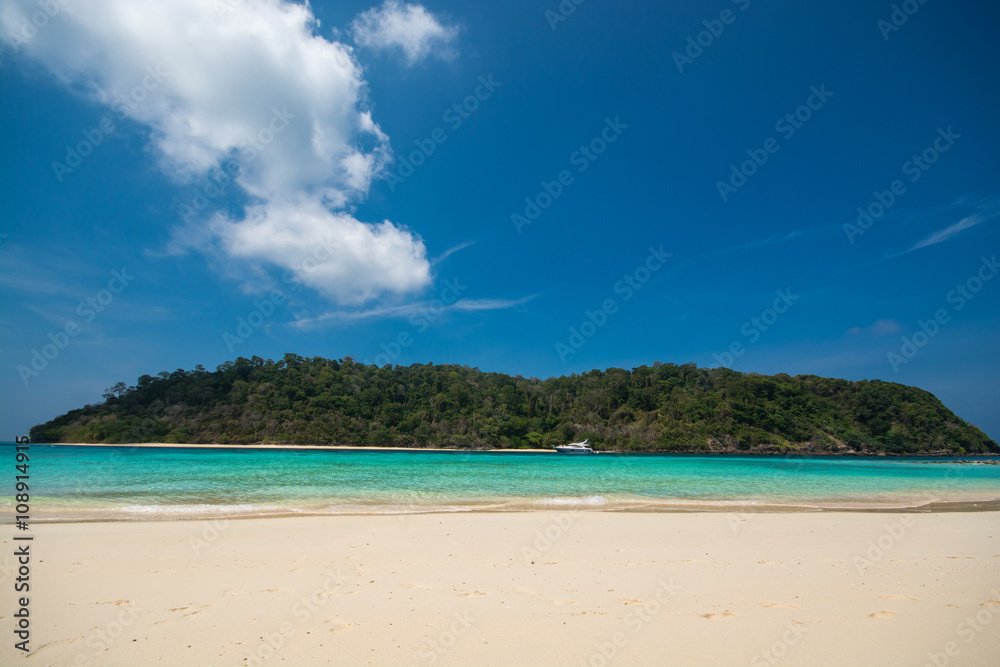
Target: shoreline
point(260, 446)
point(958, 507)
point(204, 512)
point(172, 445)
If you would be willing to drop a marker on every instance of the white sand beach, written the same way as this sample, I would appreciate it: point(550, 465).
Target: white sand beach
point(174, 445)
point(536, 588)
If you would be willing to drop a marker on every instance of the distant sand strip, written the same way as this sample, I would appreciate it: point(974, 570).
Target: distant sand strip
point(325, 447)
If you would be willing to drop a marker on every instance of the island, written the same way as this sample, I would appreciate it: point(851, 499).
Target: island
point(660, 408)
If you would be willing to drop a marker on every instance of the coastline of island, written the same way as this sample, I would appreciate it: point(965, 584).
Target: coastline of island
point(961, 458)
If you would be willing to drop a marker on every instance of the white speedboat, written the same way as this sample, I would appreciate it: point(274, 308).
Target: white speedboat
point(575, 448)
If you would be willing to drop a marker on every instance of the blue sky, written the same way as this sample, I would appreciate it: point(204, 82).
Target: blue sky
point(504, 185)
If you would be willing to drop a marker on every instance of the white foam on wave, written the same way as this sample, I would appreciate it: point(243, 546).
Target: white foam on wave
point(703, 503)
point(199, 509)
point(589, 501)
point(389, 509)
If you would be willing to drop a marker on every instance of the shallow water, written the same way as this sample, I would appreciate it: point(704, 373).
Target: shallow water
point(144, 483)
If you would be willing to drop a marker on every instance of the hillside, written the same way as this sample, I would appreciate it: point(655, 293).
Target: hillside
point(663, 408)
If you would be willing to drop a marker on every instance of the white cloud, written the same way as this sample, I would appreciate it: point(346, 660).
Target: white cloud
point(304, 237)
point(451, 251)
point(251, 85)
point(435, 309)
point(948, 232)
point(408, 27)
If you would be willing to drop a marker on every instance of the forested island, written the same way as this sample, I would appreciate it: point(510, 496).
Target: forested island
point(659, 408)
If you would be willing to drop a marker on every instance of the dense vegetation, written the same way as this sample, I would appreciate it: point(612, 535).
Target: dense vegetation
point(665, 407)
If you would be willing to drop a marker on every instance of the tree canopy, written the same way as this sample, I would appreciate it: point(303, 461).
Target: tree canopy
point(659, 408)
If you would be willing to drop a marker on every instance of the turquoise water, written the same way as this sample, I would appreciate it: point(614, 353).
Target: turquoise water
point(122, 483)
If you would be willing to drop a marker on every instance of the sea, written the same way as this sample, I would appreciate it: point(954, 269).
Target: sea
point(123, 483)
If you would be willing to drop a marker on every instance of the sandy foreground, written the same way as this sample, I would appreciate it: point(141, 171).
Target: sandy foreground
point(536, 588)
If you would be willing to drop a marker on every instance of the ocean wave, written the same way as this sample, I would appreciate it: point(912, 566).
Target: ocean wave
point(163, 511)
point(241, 509)
point(590, 501)
point(695, 502)
point(388, 509)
